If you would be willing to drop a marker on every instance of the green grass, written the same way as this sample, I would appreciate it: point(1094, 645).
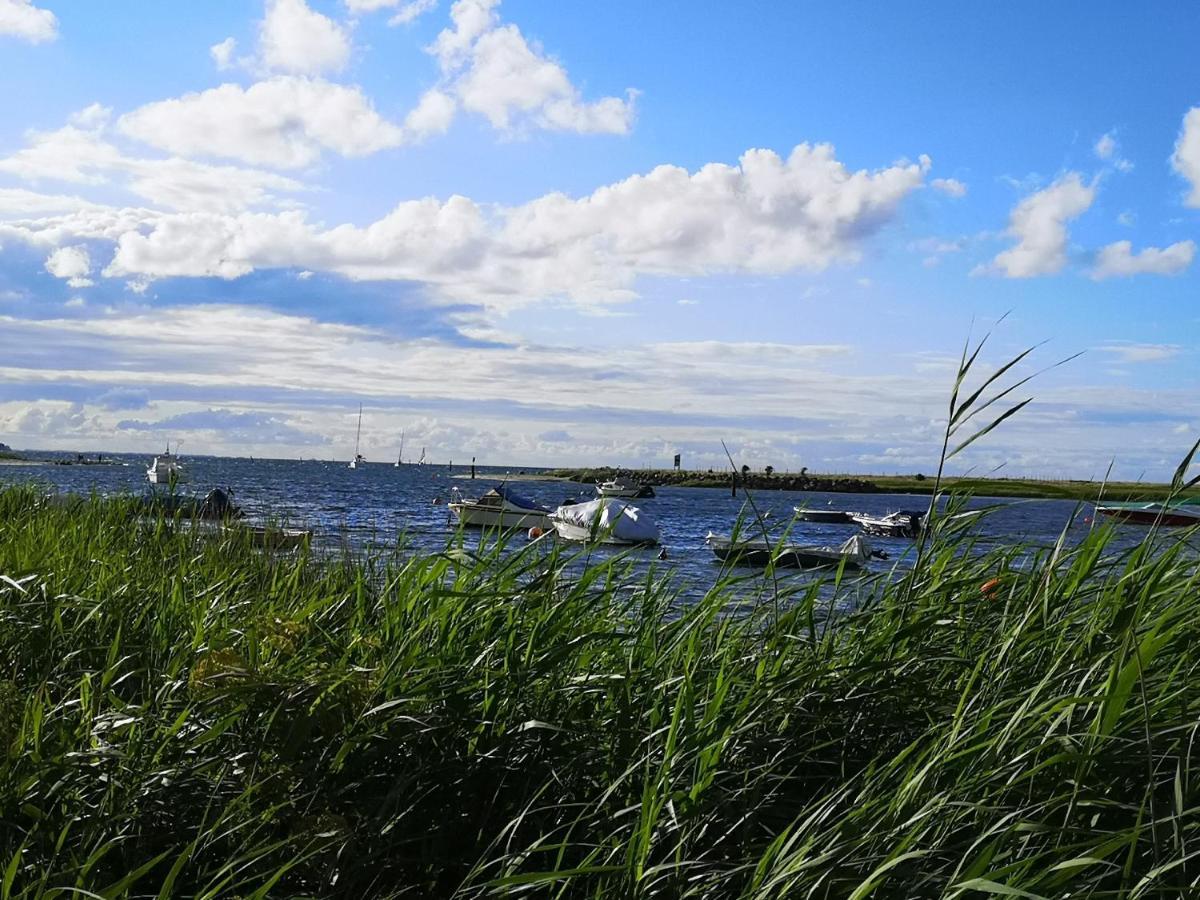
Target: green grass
point(191, 717)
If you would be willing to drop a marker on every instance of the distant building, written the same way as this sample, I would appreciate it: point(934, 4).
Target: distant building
point(4, 448)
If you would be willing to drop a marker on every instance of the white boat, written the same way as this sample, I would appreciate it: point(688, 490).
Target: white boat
point(167, 469)
point(400, 455)
point(500, 507)
point(604, 521)
point(902, 524)
point(823, 516)
point(359, 459)
point(855, 553)
point(622, 487)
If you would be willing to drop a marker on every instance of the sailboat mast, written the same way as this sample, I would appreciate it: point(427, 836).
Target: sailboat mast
point(358, 433)
point(400, 458)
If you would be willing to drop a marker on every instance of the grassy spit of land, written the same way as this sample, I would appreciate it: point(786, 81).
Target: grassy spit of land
point(886, 484)
point(186, 716)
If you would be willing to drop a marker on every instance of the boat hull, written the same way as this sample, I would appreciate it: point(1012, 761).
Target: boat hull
point(479, 517)
point(180, 477)
point(786, 556)
point(569, 531)
point(823, 516)
point(1150, 516)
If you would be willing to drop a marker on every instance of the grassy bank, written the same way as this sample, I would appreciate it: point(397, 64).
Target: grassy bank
point(889, 484)
point(187, 717)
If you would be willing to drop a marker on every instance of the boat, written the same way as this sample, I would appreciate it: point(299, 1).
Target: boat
point(359, 459)
point(500, 507)
point(400, 455)
point(1177, 514)
point(621, 487)
point(167, 469)
point(855, 553)
point(823, 516)
point(902, 524)
point(605, 520)
point(271, 537)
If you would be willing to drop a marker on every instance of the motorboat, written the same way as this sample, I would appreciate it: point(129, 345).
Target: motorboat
point(167, 469)
point(854, 553)
point(1180, 513)
point(500, 507)
point(605, 520)
point(901, 524)
point(623, 487)
point(271, 537)
point(823, 516)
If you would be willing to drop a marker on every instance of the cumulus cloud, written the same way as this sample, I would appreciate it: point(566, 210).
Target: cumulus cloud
point(71, 263)
point(491, 69)
point(951, 187)
point(81, 153)
point(1039, 223)
point(21, 19)
point(296, 39)
point(767, 214)
point(222, 53)
point(286, 121)
point(1118, 259)
point(1186, 158)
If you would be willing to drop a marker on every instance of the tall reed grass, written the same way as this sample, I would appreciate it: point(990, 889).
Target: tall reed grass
point(185, 715)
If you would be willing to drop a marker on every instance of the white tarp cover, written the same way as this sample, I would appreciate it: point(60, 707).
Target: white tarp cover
point(857, 546)
point(609, 516)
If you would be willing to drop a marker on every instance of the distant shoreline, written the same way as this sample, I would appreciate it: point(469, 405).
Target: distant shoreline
point(880, 484)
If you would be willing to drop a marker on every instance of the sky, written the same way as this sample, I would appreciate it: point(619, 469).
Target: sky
point(600, 233)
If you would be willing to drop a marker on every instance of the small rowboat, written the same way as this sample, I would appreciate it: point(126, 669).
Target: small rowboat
point(854, 553)
point(823, 516)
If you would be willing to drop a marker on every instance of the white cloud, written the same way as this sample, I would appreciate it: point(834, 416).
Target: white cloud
point(407, 11)
point(83, 155)
point(222, 53)
point(432, 115)
point(933, 249)
point(71, 263)
point(952, 187)
point(1130, 352)
point(285, 121)
point(766, 215)
point(1117, 259)
point(296, 39)
point(1186, 158)
point(1106, 148)
point(1128, 218)
point(20, 18)
point(1039, 223)
point(492, 70)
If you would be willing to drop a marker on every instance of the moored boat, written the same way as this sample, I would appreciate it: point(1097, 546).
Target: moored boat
point(1179, 514)
point(500, 507)
point(823, 516)
point(167, 469)
point(605, 521)
point(854, 553)
point(901, 524)
point(624, 488)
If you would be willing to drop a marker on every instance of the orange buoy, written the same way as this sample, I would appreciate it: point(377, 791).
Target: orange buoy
point(988, 588)
point(535, 533)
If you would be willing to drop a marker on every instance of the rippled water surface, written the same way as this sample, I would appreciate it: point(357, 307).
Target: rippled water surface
point(378, 502)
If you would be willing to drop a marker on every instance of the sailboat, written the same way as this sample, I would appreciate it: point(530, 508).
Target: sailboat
point(400, 455)
point(421, 461)
point(359, 459)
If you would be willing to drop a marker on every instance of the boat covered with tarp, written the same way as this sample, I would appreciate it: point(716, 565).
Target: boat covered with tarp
point(605, 520)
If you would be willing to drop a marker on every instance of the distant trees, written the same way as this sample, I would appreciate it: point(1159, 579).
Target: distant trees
point(770, 470)
point(745, 470)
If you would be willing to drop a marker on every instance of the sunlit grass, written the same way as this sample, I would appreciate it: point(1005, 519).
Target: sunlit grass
point(189, 716)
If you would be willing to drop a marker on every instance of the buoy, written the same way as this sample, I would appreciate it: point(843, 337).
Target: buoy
point(437, 501)
point(988, 588)
point(535, 533)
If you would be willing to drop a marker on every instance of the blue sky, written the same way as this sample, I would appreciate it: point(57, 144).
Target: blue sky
point(577, 233)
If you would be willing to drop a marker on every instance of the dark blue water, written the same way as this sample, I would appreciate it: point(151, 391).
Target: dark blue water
point(374, 505)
